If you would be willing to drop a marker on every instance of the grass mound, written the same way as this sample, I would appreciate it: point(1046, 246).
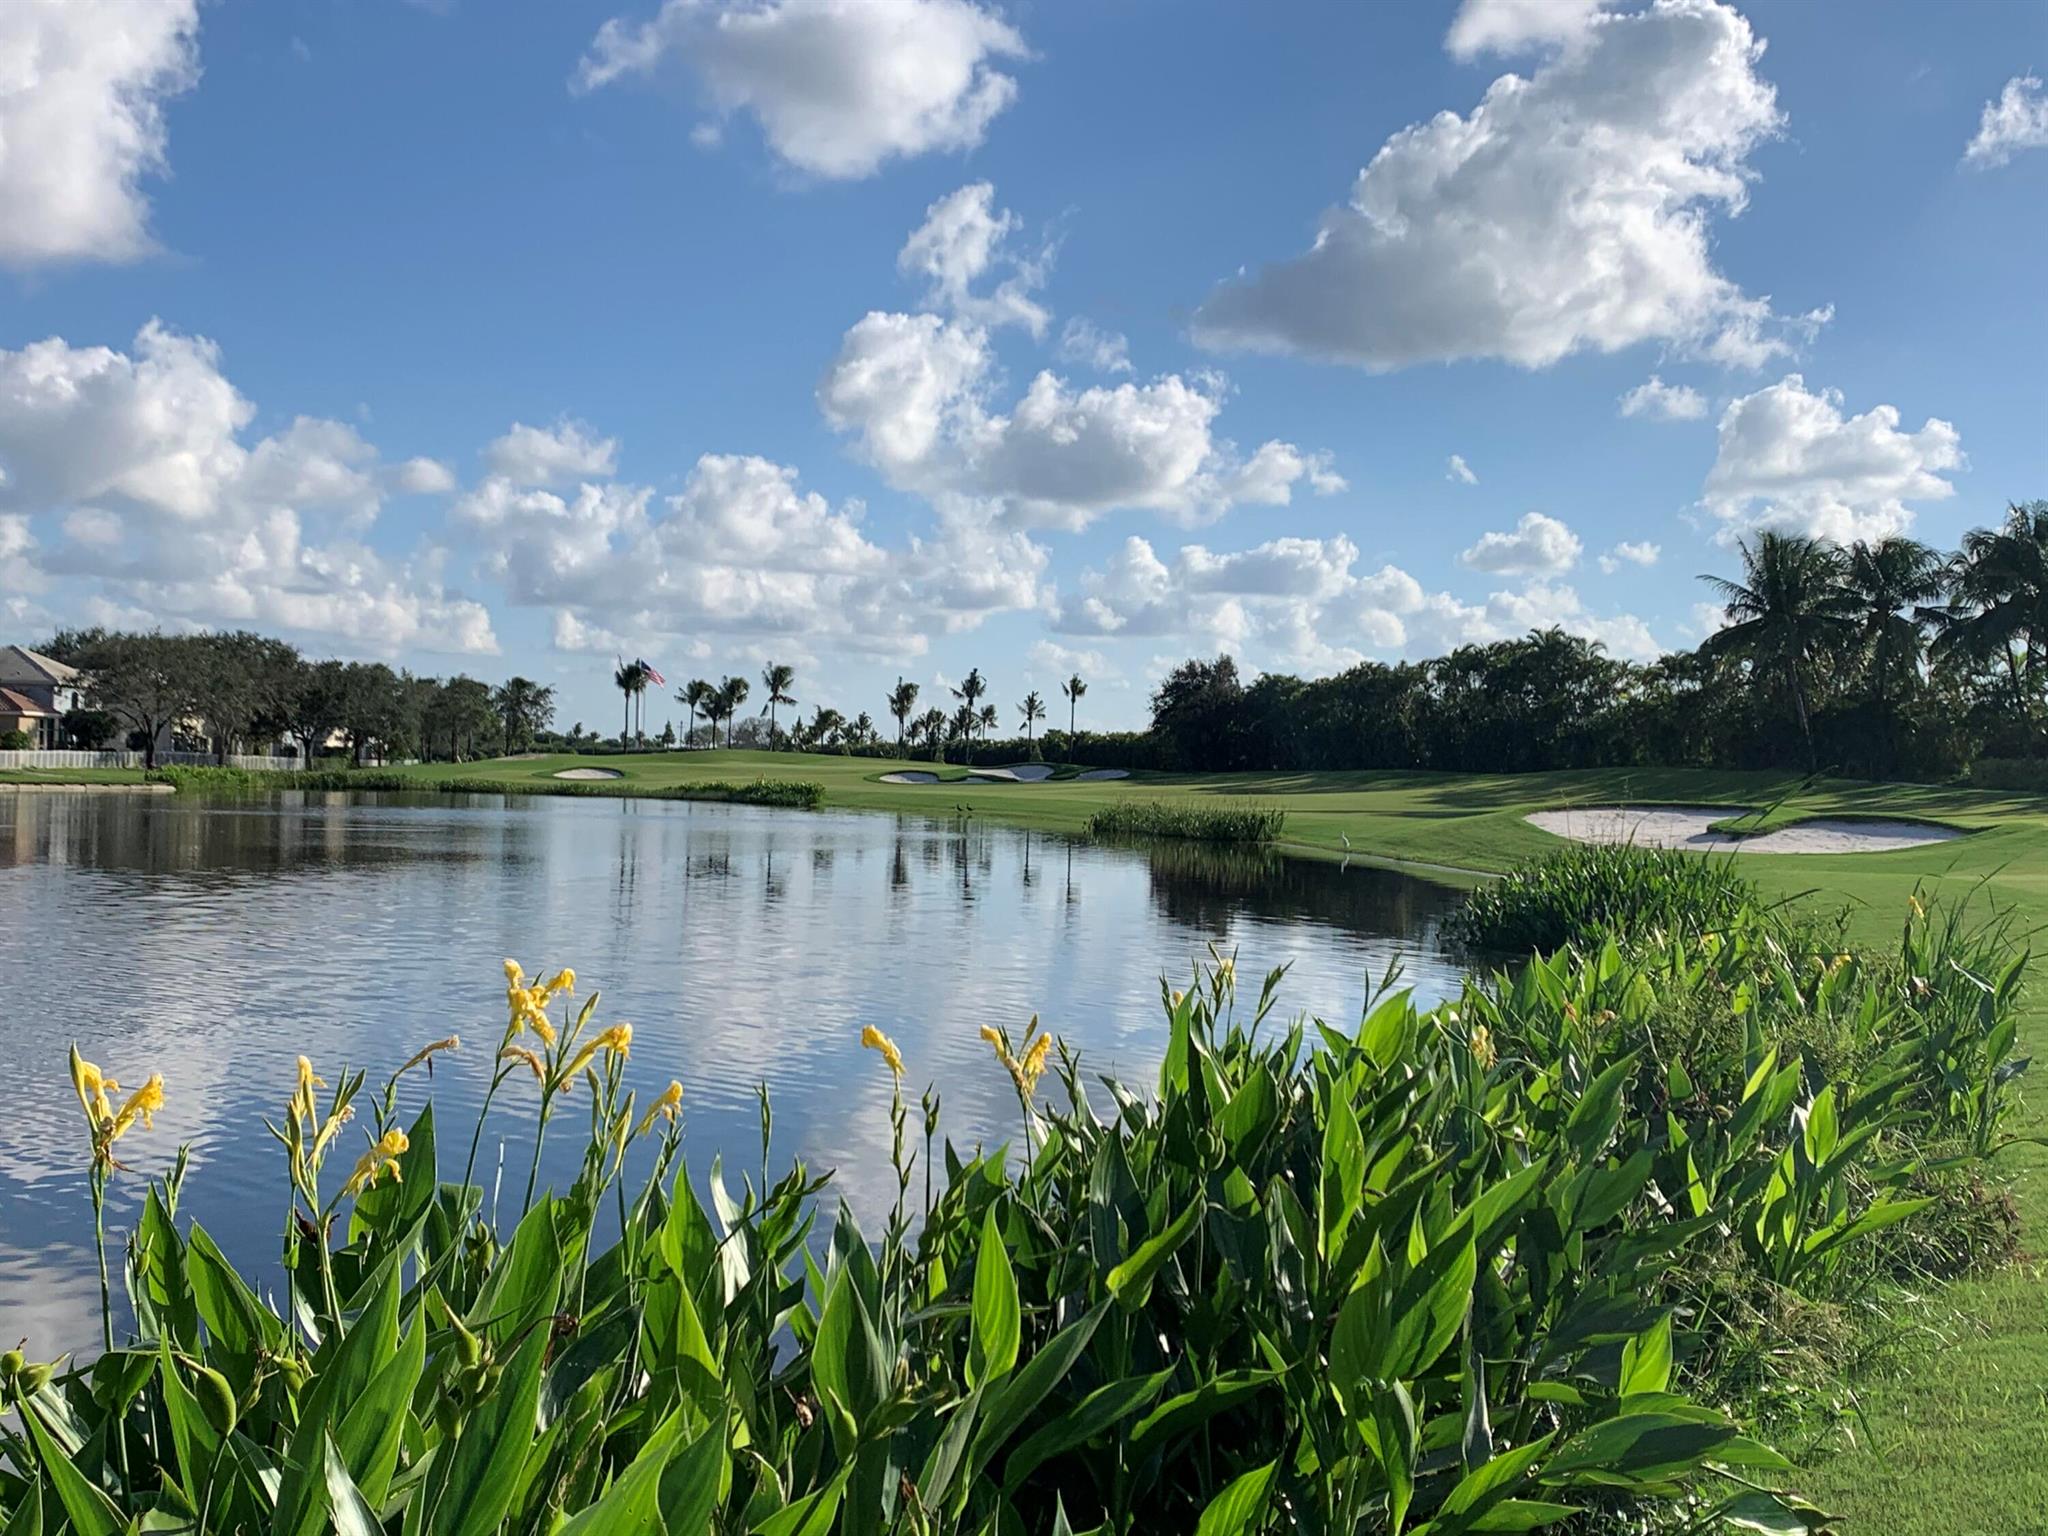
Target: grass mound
point(1601, 888)
point(1231, 822)
point(789, 794)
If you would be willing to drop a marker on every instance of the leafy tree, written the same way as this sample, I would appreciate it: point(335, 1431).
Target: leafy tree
point(1789, 609)
point(668, 736)
point(1195, 712)
point(777, 677)
point(462, 711)
point(524, 708)
point(931, 725)
point(373, 709)
point(902, 701)
point(149, 682)
point(1997, 614)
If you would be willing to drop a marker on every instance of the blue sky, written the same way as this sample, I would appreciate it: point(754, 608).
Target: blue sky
point(908, 336)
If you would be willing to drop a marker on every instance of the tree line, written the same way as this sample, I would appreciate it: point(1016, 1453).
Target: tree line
point(1876, 659)
point(236, 691)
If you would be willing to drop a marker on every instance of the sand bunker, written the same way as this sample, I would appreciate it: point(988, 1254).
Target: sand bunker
point(590, 773)
point(1017, 773)
point(1093, 775)
point(910, 778)
point(1688, 826)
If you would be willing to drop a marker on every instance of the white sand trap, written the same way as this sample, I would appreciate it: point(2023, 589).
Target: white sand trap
point(912, 777)
point(1093, 775)
point(1016, 773)
point(1687, 826)
point(590, 773)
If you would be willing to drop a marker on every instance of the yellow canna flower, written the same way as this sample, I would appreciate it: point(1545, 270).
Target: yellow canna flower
point(93, 1088)
point(1177, 996)
point(875, 1040)
point(144, 1102)
point(1227, 970)
point(667, 1106)
point(515, 973)
point(618, 1040)
point(372, 1165)
point(993, 1036)
point(1914, 903)
point(1483, 1049)
point(563, 980)
point(528, 1055)
point(1032, 1067)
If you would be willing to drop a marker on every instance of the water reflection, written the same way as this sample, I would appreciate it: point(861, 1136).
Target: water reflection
point(215, 941)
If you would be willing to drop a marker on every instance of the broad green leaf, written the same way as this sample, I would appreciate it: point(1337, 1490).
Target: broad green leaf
point(1646, 1360)
point(478, 1478)
point(1343, 1171)
point(1131, 1281)
point(1094, 1414)
point(811, 1515)
point(90, 1511)
point(997, 1321)
point(1636, 1447)
point(348, 1512)
point(632, 1505)
point(1240, 1507)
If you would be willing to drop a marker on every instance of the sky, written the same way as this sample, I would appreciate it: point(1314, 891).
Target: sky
point(894, 338)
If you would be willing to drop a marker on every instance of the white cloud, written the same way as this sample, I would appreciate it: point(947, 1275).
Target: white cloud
point(1444, 622)
point(15, 539)
point(1641, 553)
point(422, 477)
point(1571, 210)
point(1664, 402)
point(913, 390)
point(138, 457)
point(83, 85)
point(1789, 458)
point(1455, 468)
point(1063, 661)
point(1083, 343)
point(567, 451)
point(963, 237)
point(1513, 26)
point(838, 86)
point(1538, 546)
point(2017, 120)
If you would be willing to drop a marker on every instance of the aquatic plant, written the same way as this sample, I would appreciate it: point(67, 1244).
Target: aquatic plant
point(1595, 889)
point(1213, 822)
point(1469, 1269)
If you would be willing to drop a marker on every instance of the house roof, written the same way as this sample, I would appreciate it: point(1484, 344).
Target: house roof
point(19, 664)
point(12, 703)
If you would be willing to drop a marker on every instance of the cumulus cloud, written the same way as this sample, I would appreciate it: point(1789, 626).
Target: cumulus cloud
point(1664, 402)
point(1629, 552)
point(138, 459)
point(1789, 458)
point(1514, 26)
point(1571, 210)
point(557, 455)
point(2017, 120)
point(422, 477)
point(962, 238)
point(1082, 342)
point(839, 87)
point(1537, 546)
point(1302, 604)
point(1455, 468)
point(83, 85)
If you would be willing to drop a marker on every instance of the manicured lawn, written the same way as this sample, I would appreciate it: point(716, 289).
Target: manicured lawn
point(1954, 1441)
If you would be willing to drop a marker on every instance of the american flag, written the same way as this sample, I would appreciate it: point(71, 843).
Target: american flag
point(653, 676)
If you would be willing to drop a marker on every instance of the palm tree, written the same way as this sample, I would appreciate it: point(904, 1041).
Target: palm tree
point(1998, 599)
point(971, 688)
point(932, 726)
point(862, 730)
point(777, 677)
point(1073, 688)
point(523, 707)
point(1789, 609)
point(629, 680)
point(827, 728)
point(1893, 581)
point(732, 693)
point(1033, 711)
point(698, 696)
point(987, 719)
point(902, 700)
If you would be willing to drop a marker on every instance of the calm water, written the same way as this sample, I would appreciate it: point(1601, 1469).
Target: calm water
point(215, 941)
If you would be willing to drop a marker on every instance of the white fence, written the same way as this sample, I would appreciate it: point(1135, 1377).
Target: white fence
point(134, 760)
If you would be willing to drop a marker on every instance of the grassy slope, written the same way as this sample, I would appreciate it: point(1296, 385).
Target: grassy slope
point(1955, 1443)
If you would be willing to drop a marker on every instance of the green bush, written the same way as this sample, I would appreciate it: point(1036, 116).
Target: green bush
point(16, 741)
point(1242, 821)
point(2029, 774)
point(788, 793)
point(1601, 888)
point(1477, 1269)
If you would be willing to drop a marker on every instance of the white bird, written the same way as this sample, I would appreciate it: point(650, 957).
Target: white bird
point(1344, 838)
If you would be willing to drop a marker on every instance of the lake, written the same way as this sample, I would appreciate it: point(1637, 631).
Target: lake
point(216, 940)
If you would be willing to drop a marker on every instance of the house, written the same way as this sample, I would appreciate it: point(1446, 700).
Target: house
point(36, 692)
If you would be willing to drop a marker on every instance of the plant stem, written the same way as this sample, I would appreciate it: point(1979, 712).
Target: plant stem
point(99, 1233)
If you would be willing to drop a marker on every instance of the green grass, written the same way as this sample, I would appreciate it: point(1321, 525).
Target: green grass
point(1234, 822)
point(1958, 1426)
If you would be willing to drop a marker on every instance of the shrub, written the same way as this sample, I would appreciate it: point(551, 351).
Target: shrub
point(2029, 774)
point(1595, 889)
point(791, 794)
point(1241, 821)
point(16, 741)
point(1474, 1268)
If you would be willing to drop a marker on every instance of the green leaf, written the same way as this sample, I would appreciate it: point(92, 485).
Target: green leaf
point(90, 1511)
point(846, 1355)
point(1020, 1393)
point(1343, 1176)
point(1184, 1412)
point(810, 1515)
point(526, 1282)
point(690, 1486)
point(473, 1487)
point(632, 1505)
point(1429, 1306)
point(1518, 1515)
point(1484, 1484)
point(193, 1438)
point(27, 1519)
point(1131, 1281)
point(1095, 1413)
point(1646, 1360)
point(1636, 1446)
point(1240, 1507)
point(998, 1322)
point(349, 1513)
